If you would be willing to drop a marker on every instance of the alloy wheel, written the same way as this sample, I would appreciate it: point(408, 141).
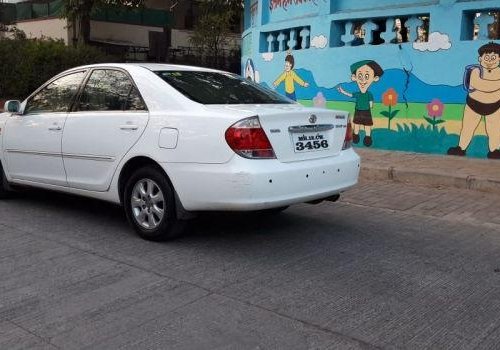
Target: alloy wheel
point(148, 204)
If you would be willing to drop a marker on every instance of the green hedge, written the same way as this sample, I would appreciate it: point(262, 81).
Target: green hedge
point(26, 64)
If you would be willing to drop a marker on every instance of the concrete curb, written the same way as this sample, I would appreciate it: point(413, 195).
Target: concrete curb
point(430, 178)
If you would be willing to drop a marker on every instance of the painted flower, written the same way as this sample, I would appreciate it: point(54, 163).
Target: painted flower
point(435, 108)
point(390, 97)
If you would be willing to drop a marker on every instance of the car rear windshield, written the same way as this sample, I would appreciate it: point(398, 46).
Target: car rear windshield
point(220, 88)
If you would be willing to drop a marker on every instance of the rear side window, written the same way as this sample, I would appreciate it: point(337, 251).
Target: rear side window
point(57, 96)
point(110, 90)
point(220, 88)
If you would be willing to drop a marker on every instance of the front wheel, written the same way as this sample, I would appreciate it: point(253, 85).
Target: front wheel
point(150, 205)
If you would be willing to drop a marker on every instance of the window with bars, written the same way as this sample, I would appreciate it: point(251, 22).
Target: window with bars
point(297, 38)
point(377, 31)
point(481, 25)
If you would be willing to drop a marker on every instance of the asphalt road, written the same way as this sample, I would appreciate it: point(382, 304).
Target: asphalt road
point(390, 266)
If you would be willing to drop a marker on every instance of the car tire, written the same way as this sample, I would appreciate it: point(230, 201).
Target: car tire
point(4, 185)
point(149, 203)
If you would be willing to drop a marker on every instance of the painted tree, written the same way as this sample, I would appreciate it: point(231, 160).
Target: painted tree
point(78, 12)
point(216, 20)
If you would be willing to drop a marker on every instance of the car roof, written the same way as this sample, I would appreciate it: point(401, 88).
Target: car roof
point(150, 66)
point(164, 66)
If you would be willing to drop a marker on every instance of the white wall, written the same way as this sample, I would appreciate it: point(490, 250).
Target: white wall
point(129, 34)
point(120, 33)
point(55, 28)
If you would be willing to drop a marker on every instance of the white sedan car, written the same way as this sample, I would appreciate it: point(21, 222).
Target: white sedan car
point(168, 141)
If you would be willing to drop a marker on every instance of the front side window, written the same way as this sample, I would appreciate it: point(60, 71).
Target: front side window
point(110, 90)
point(57, 96)
point(220, 88)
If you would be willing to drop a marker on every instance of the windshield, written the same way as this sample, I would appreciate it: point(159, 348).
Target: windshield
point(220, 88)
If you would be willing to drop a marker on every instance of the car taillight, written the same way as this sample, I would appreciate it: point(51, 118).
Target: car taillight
point(247, 138)
point(348, 136)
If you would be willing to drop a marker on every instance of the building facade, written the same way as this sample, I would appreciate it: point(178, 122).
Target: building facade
point(419, 76)
point(160, 31)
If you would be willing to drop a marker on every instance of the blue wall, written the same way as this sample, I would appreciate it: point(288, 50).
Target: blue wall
point(419, 72)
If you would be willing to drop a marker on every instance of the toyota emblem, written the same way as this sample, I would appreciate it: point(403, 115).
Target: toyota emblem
point(313, 118)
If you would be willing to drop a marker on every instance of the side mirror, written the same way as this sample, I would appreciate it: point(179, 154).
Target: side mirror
point(12, 106)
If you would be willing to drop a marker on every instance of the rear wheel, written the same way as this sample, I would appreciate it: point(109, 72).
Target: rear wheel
point(150, 205)
point(4, 186)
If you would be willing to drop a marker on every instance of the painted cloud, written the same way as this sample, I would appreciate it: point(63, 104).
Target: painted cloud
point(268, 56)
point(319, 42)
point(437, 41)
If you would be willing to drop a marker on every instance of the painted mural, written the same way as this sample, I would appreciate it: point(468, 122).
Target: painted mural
point(422, 78)
point(289, 77)
point(364, 74)
point(482, 83)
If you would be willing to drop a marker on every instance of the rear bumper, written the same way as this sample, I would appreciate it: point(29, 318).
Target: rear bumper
point(245, 184)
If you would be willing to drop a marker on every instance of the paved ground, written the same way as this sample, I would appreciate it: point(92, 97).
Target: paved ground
point(391, 266)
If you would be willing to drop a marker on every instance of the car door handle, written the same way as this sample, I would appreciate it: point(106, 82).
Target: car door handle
point(129, 127)
point(55, 128)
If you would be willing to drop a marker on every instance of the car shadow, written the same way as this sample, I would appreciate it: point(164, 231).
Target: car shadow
point(62, 202)
point(211, 225)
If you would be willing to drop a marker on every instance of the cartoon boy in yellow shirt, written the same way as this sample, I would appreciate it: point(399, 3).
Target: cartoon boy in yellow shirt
point(290, 78)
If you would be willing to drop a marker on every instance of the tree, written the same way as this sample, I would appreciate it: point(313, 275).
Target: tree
point(78, 12)
point(215, 21)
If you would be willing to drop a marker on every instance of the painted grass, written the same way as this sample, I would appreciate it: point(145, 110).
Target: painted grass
point(413, 111)
point(423, 139)
point(416, 138)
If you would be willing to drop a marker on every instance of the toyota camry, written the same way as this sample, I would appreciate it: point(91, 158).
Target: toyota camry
point(168, 141)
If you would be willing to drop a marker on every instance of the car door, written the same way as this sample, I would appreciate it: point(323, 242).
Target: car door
point(32, 140)
point(107, 121)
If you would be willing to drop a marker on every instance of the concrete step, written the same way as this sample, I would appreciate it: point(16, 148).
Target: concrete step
point(430, 170)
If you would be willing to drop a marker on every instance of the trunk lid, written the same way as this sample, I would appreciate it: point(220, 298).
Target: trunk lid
point(296, 133)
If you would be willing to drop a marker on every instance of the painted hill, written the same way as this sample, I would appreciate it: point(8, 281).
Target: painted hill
point(409, 88)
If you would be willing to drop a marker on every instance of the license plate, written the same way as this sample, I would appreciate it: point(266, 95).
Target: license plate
point(307, 142)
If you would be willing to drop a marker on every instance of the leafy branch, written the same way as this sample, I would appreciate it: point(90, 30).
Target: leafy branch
point(78, 12)
point(211, 33)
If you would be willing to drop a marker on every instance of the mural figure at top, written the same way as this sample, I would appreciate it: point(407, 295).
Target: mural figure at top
point(290, 78)
point(482, 82)
point(364, 73)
